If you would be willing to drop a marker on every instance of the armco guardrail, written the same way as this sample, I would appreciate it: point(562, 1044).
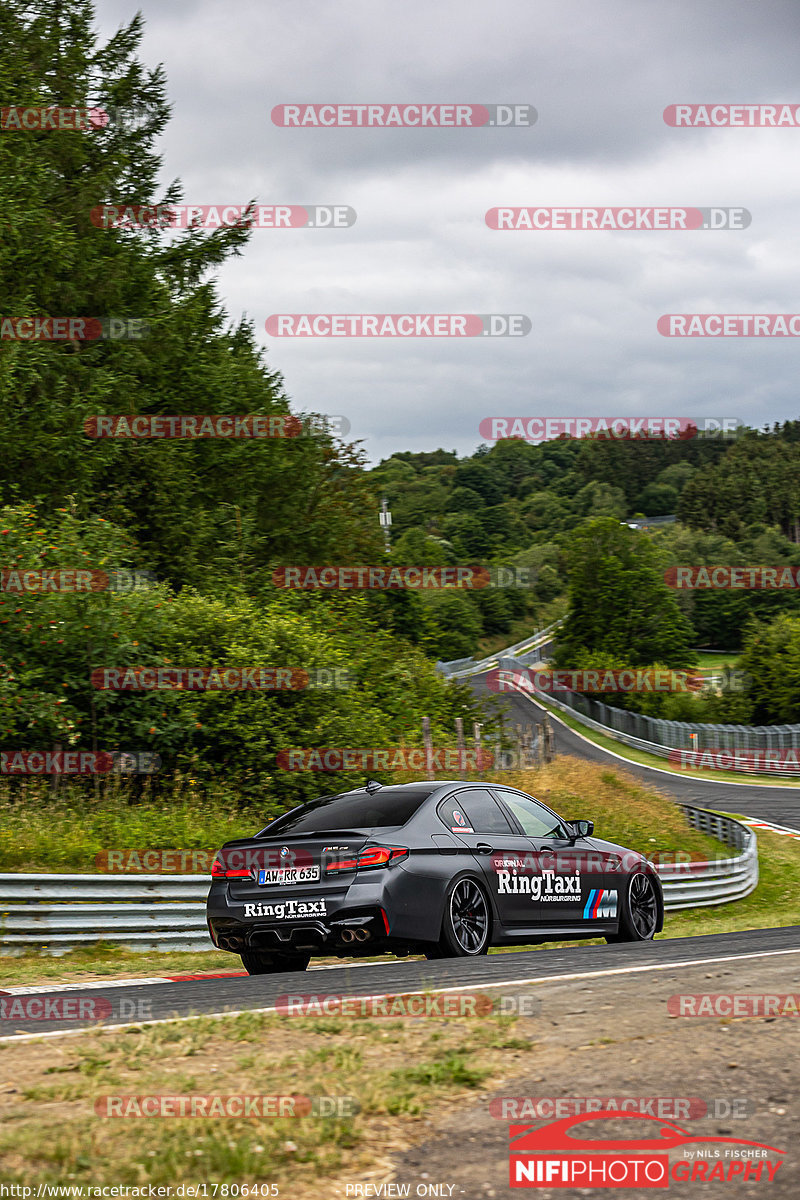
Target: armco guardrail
point(57, 913)
point(699, 884)
point(529, 648)
point(141, 912)
point(732, 740)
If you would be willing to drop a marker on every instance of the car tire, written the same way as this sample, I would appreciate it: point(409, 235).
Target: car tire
point(467, 922)
point(639, 911)
point(258, 963)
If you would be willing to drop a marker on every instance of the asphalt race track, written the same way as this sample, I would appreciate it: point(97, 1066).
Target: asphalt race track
point(768, 803)
point(163, 1001)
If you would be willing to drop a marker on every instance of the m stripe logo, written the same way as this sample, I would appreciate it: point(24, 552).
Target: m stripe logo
point(601, 903)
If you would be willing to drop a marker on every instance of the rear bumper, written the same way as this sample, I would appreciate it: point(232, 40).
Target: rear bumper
point(349, 930)
point(375, 910)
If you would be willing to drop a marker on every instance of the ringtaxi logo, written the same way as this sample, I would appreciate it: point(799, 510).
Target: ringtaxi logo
point(222, 216)
point(403, 116)
point(631, 217)
point(260, 1106)
point(541, 429)
point(748, 116)
point(73, 329)
point(729, 325)
point(398, 325)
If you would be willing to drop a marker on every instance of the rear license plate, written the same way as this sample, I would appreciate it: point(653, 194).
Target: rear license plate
point(289, 875)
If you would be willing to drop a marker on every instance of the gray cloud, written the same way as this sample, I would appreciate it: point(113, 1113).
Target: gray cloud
point(600, 75)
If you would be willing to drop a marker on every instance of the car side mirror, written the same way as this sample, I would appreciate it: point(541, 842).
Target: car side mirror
point(580, 829)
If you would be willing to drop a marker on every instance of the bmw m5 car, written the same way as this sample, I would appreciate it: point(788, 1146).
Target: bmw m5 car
point(444, 869)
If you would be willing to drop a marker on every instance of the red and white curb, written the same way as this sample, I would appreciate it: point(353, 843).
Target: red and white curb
point(770, 827)
point(102, 984)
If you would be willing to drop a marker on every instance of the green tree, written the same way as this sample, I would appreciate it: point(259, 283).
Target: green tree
point(619, 603)
point(771, 656)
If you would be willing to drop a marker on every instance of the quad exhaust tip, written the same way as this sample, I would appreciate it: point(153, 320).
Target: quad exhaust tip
point(230, 943)
point(355, 935)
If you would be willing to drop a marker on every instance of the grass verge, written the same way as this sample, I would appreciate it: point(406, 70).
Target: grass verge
point(396, 1070)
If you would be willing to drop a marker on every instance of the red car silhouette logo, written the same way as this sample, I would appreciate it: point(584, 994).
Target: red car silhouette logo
point(527, 1139)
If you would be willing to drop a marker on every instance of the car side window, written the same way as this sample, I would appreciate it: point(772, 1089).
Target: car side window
point(473, 811)
point(532, 816)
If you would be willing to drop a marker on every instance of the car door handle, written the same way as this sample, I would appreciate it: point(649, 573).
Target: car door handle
point(484, 848)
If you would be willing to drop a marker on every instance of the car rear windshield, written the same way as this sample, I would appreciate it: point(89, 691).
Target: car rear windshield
point(390, 806)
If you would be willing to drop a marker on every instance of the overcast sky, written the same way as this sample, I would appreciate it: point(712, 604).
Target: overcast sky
point(599, 73)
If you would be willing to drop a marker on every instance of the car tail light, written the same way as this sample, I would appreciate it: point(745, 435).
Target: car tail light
point(373, 856)
point(218, 871)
